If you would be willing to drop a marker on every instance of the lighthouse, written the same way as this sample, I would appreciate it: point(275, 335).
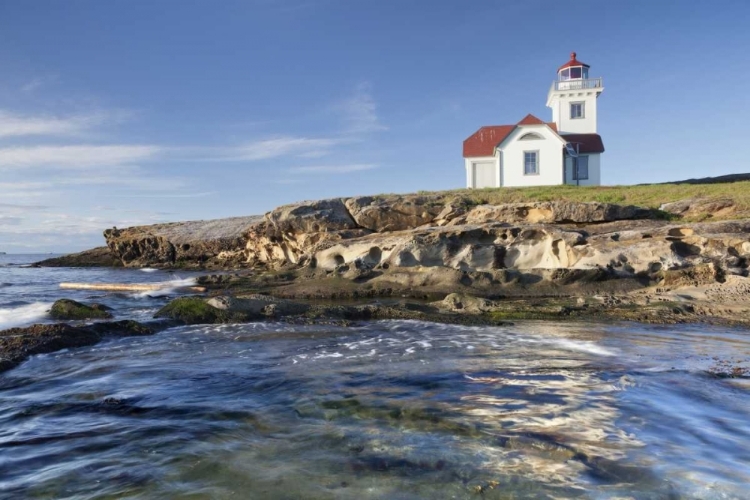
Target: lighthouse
point(532, 152)
point(573, 97)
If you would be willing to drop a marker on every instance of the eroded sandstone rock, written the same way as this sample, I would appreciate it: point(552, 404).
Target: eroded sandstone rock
point(393, 213)
point(212, 243)
point(551, 212)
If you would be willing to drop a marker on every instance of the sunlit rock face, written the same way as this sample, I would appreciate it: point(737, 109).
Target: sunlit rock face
point(195, 243)
point(390, 232)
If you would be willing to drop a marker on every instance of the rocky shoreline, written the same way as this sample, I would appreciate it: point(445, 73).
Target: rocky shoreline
point(449, 258)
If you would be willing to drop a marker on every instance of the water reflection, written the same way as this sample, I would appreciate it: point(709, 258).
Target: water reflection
point(387, 410)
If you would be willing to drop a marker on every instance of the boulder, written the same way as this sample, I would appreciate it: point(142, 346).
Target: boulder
point(700, 207)
point(552, 212)
point(393, 213)
point(66, 309)
point(227, 309)
point(192, 311)
point(457, 302)
point(311, 217)
point(257, 306)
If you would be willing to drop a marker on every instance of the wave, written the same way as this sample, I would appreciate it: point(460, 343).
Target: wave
point(148, 269)
point(23, 315)
point(169, 288)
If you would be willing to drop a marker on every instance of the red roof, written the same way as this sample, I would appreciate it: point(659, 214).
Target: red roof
point(587, 143)
point(531, 120)
point(573, 62)
point(484, 141)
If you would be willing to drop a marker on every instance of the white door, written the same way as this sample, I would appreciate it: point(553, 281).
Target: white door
point(484, 174)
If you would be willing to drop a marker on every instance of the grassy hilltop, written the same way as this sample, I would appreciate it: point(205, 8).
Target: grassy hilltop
point(705, 199)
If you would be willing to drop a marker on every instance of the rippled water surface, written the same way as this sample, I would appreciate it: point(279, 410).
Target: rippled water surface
point(392, 409)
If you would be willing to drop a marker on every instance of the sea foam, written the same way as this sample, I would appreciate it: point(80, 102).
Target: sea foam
point(169, 288)
point(23, 315)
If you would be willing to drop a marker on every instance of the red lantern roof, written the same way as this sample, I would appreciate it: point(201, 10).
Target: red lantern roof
point(573, 62)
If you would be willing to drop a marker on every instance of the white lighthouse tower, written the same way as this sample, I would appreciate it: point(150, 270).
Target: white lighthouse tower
point(573, 97)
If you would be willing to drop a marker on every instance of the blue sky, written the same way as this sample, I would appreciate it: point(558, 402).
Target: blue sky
point(123, 113)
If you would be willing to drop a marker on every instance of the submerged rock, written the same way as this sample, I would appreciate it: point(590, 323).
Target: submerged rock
point(17, 344)
point(66, 309)
point(227, 309)
point(192, 311)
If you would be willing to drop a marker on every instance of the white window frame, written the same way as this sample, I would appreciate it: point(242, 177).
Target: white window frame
point(582, 104)
point(536, 162)
point(578, 169)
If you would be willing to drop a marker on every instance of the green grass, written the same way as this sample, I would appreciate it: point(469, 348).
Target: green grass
point(648, 196)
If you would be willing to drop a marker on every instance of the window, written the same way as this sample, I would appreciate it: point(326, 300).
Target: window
point(530, 136)
point(565, 74)
point(576, 110)
point(582, 172)
point(575, 73)
point(531, 163)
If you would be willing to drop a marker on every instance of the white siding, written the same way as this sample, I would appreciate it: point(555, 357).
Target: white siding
point(594, 171)
point(550, 158)
point(560, 104)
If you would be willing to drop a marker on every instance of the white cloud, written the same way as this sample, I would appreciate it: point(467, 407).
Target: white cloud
point(21, 206)
point(333, 169)
point(38, 82)
point(360, 111)
point(9, 220)
point(15, 125)
point(202, 194)
point(276, 147)
point(74, 157)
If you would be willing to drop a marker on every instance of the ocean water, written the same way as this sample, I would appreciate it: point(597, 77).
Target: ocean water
point(387, 409)
point(26, 293)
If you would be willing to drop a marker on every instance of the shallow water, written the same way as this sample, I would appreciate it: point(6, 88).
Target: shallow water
point(391, 409)
point(27, 293)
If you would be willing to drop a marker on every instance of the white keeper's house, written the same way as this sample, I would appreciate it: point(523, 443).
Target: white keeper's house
point(532, 152)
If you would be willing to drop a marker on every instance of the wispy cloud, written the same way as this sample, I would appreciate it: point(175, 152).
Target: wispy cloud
point(359, 111)
point(21, 206)
point(38, 82)
point(9, 220)
point(333, 169)
point(202, 194)
point(266, 149)
point(74, 156)
point(17, 125)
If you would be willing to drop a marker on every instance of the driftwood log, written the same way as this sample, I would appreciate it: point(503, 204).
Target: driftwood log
point(128, 287)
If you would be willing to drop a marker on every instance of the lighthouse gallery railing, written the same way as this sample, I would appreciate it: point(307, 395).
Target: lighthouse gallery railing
point(593, 83)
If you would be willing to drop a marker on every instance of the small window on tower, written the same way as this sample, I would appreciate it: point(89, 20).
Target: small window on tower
point(576, 110)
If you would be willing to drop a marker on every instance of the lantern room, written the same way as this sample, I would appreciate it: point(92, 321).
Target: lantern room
point(573, 70)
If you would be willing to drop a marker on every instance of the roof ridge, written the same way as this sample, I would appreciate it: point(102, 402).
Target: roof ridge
point(530, 119)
